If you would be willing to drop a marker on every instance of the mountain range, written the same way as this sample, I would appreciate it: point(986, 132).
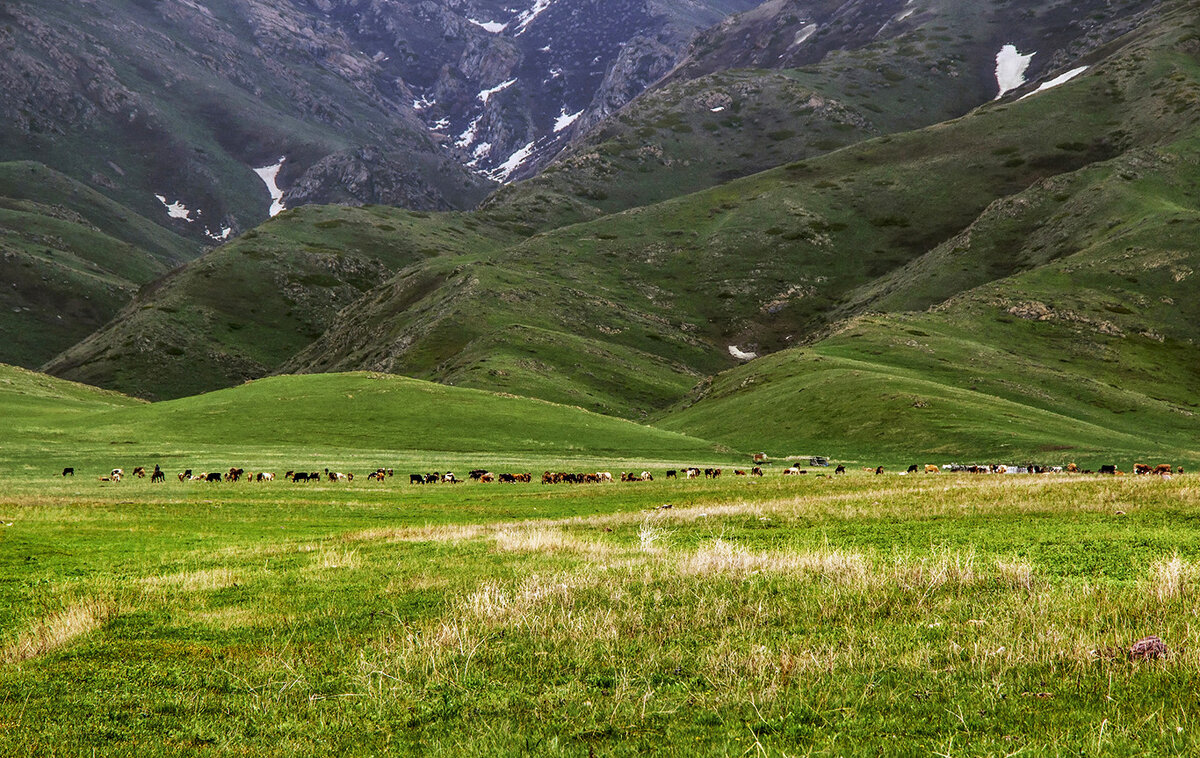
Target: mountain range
point(823, 225)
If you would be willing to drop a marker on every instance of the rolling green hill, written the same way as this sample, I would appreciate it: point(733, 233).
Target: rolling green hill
point(1088, 350)
point(58, 423)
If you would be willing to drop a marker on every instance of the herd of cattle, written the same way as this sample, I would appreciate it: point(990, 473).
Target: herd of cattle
point(235, 474)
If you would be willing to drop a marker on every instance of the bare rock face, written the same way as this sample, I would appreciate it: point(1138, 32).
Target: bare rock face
point(368, 175)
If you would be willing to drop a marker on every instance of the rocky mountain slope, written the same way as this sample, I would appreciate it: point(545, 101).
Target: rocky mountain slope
point(789, 80)
point(209, 115)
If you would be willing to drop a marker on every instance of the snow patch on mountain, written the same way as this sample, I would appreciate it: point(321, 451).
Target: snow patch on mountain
point(493, 27)
point(526, 18)
point(1011, 65)
point(176, 209)
point(485, 94)
point(1061, 79)
point(423, 103)
point(269, 176)
point(740, 354)
point(803, 35)
point(565, 119)
point(468, 136)
point(505, 170)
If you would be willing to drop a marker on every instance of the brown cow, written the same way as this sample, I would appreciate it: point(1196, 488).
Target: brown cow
point(930, 468)
point(1141, 468)
point(1162, 468)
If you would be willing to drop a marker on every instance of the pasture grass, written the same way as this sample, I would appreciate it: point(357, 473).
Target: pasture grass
point(852, 615)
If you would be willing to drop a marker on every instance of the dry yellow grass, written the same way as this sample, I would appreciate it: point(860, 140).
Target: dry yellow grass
point(59, 629)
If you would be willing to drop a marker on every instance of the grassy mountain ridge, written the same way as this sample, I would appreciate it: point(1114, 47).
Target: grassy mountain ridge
point(243, 309)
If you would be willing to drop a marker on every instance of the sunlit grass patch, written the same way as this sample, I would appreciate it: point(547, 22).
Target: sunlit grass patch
point(196, 581)
point(327, 558)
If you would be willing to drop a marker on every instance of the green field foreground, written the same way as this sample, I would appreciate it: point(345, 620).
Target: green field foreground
point(851, 615)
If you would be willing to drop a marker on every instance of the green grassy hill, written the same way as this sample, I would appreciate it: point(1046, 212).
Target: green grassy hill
point(70, 260)
point(359, 417)
point(1088, 351)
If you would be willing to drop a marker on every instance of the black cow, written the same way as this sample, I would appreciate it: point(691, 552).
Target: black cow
point(840, 469)
point(416, 479)
point(69, 471)
point(213, 477)
point(911, 469)
point(1108, 470)
point(672, 473)
point(299, 476)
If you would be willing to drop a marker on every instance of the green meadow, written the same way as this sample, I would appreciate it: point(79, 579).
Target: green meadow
point(784, 615)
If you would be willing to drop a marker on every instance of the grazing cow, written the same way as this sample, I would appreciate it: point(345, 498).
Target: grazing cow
point(416, 479)
point(1162, 468)
point(213, 477)
point(840, 469)
point(1110, 470)
point(69, 470)
point(525, 478)
point(793, 471)
point(1141, 468)
point(760, 458)
point(1180, 471)
point(476, 473)
point(931, 469)
point(1071, 467)
point(756, 471)
point(489, 477)
point(738, 472)
point(878, 470)
point(604, 476)
point(693, 472)
point(299, 476)
point(672, 474)
point(140, 472)
point(158, 475)
point(716, 473)
point(912, 469)
point(118, 472)
point(708, 473)
point(646, 477)
point(266, 476)
point(448, 478)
